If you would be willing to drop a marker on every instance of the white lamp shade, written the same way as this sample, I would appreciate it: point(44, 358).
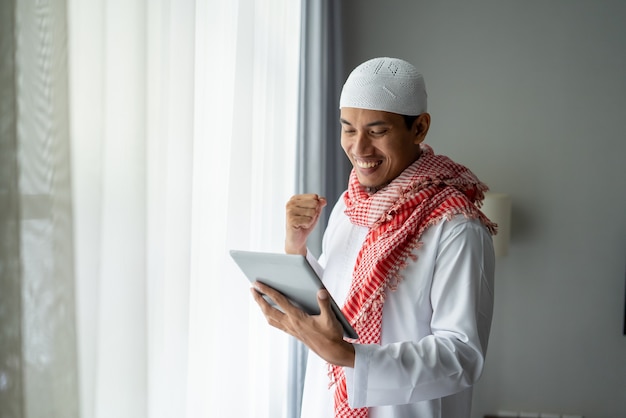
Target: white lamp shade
point(497, 207)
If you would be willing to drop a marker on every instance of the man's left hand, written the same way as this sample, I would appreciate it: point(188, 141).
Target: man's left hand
point(321, 333)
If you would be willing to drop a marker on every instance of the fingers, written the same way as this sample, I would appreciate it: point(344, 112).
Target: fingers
point(283, 318)
point(272, 315)
point(326, 312)
point(324, 302)
point(304, 210)
point(302, 214)
point(321, 333)
point(279, 299)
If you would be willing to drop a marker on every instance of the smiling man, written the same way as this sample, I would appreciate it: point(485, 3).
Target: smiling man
point(381, 145)
point(408, 253)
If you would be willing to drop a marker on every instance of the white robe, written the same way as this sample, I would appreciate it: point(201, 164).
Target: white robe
point(435, 326)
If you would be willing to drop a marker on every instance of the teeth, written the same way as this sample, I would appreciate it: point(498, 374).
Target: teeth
point(367, 164)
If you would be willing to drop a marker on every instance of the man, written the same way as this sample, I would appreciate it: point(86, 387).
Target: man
point(407, 251)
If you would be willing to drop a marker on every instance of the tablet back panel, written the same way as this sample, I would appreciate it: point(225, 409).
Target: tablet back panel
point(293, 276)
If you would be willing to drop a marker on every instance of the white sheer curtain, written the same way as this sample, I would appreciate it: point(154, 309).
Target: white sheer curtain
point(182, 127)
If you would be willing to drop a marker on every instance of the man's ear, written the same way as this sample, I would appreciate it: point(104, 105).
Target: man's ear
point(420, 127)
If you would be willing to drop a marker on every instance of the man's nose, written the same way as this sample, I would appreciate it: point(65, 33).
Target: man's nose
point(362, 143)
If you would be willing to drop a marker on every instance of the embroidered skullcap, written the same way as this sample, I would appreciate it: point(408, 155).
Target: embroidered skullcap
point(387, 84)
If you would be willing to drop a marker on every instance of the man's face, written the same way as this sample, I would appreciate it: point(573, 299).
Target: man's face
point(379, 144)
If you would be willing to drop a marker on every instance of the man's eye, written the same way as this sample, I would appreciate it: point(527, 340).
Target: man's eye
point(383, 132)
point(349, 131)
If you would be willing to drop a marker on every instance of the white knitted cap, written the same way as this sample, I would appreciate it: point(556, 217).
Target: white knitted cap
point(386, 84)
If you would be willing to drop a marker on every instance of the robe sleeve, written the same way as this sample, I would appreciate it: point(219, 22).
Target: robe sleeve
point(315, 263)
point(451, 358)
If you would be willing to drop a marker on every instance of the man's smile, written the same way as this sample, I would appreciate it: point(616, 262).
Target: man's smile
point(367, 163)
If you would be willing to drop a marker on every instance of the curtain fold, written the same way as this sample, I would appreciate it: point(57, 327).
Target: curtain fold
point(38, 372)
point(108, 132)
point(11, 362)
point(321, 164)
point(140, 142)
point(322, 167)
point(170, 97)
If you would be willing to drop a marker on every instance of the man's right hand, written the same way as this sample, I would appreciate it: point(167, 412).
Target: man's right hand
point(303, 212)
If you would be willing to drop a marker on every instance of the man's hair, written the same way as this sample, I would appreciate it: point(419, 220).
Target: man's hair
point(409, 120)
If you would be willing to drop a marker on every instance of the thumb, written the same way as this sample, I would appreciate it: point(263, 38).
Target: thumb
point(323, 300)
point(322, 204)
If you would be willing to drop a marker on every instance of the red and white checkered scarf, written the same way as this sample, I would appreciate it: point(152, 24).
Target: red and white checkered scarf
point(432, 188)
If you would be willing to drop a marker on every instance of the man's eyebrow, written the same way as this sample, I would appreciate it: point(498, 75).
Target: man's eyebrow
point(375, 123)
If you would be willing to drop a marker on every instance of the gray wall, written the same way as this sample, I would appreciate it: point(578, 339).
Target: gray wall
point(532, 96)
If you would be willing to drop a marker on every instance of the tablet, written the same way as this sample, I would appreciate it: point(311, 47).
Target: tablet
point(291, 275)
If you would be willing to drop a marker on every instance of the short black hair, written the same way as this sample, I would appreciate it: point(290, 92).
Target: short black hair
point(409, 120)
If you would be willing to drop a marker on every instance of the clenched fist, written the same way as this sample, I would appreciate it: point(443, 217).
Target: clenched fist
point(303, 212)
